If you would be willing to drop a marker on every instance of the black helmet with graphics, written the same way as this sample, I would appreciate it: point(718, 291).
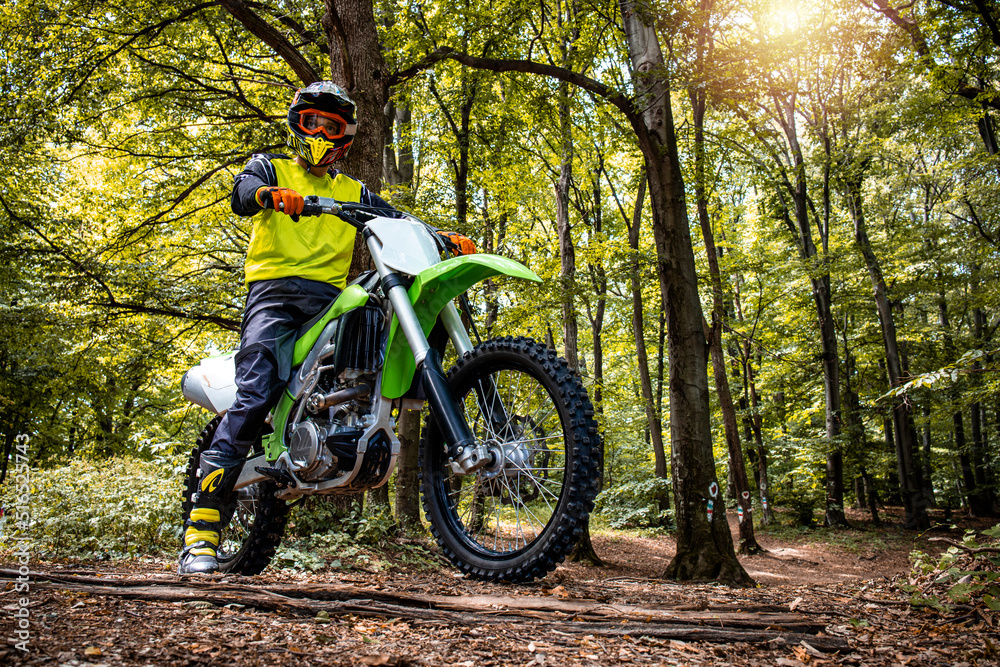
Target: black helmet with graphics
point(322, 121)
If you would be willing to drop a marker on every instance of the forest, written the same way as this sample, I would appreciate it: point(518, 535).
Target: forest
point(767, 232)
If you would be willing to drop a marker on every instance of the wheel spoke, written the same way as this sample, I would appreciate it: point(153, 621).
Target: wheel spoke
point(528, 409)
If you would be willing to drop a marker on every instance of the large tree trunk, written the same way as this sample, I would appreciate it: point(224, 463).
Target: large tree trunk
point(704, 543)
point(356, 63)
point(910, 475)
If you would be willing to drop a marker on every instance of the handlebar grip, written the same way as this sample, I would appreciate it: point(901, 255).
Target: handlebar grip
point(311, 209)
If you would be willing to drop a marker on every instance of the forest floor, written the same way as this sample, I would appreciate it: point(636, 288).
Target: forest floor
point(824, 597)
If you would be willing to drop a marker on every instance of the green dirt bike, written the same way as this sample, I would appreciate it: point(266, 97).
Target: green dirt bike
point(510, 451)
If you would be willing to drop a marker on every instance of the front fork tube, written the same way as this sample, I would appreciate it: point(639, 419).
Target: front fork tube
point(464, 453)
point(490, 404)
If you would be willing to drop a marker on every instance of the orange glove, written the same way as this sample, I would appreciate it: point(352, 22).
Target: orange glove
point(464, 244)
point(286, 200)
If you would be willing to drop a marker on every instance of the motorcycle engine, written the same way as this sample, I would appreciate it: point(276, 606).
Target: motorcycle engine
point(323, 438)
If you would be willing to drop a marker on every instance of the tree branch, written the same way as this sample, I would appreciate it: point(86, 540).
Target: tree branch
point(622, 102)
point(270, 36)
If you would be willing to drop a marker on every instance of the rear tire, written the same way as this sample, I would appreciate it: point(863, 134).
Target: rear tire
point(248, 543)
point(518, 520)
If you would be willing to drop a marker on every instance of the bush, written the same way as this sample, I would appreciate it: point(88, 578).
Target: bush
point(370, 525)
point(116, 507)
point(967, 573)
point(635, 504)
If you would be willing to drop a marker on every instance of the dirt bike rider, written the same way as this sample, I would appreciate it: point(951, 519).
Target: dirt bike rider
point(294, 269)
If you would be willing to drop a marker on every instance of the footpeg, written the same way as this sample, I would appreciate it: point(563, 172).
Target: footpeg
point(280, 476)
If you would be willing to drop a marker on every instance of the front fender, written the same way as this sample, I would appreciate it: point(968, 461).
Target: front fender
point(432, 289)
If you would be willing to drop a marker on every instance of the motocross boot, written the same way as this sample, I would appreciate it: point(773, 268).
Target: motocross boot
point(214, 504)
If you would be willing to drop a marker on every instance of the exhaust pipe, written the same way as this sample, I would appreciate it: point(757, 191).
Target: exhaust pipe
point(318, 402)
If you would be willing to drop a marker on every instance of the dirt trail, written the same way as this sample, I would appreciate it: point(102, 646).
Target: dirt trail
point(833, 596)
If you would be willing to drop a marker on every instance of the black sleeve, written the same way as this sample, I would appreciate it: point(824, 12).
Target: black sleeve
point(369, 198)
point(258, 173)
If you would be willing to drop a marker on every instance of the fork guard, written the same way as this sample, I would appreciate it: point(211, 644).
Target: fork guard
point(430, 292)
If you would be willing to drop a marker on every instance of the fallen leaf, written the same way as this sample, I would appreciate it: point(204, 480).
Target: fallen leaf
point(559, 592)
point(92, 651)
point(794, 604)
point(811, 650)
point(785, 662)
point(198, 604)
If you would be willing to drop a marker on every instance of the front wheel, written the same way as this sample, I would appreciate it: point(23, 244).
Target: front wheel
point(516, 518)
point(248, 543)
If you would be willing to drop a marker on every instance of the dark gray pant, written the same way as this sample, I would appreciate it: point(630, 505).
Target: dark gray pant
point(275, 311)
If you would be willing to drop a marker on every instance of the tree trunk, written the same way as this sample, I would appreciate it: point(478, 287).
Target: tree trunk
point(567, 252)
point(650, 403)
point(820, 278)
point(910, 475)
point(872, 496)
point(958, 425)
point(356, 63)
point(737, 468)
point(397, 157)
point(460, 128)
point(704, 543)
point(763, 483)
point(926, 458)
point(407, 474)
point(982, 503)
point(379, 498)
point(984, 494)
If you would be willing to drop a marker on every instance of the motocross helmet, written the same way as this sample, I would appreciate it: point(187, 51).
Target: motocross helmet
point(322, 121)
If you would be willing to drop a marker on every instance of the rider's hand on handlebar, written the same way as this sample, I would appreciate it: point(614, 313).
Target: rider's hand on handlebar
point(286, 200)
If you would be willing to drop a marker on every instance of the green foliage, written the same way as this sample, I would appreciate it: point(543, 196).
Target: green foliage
point(124, 123)
point(370, 526)
point(321, 536)
point(967, 573)
point(635, 504)
point(116, 508)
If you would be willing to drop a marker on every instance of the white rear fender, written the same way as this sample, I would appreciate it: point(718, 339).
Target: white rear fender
point(212, 383)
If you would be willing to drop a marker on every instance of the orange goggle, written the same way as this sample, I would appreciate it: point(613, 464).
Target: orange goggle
point(330, 125)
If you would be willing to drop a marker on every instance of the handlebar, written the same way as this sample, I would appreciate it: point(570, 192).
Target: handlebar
point(315, 205)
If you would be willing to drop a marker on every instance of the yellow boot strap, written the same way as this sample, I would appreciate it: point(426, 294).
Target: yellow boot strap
point(192, 536)
point(205, 514)
point(206, 551)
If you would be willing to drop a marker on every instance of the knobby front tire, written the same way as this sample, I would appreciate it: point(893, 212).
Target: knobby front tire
point(248, 543)
point(517, 520)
